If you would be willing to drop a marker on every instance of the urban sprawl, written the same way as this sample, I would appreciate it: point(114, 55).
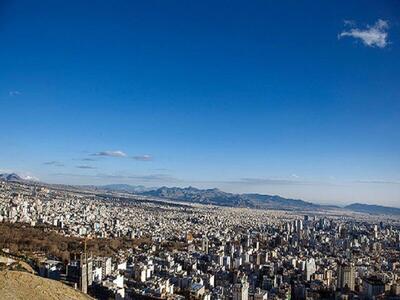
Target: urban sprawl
point(194, 251)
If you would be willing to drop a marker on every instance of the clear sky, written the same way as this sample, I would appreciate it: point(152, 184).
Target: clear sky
point(296, 98)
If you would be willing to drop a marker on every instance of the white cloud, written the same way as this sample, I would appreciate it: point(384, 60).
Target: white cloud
point(114, 153)
point(85, 167)
point(145, 157)
point(119, 153)
point(371, 36)
point(350, 23)
point(29, 177)
point(14, 93)
point(54, 163)
point(378, 181)
point(88, 159)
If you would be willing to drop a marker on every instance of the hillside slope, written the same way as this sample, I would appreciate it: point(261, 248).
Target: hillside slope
point(16, 285)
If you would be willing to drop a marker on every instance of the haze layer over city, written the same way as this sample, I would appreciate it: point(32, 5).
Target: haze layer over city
point(200, 150)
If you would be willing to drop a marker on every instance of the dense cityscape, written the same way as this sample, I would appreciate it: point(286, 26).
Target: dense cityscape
point(194, 251)
point(199, 150)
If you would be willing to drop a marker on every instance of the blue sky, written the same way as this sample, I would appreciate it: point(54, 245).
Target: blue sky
point(297, 99)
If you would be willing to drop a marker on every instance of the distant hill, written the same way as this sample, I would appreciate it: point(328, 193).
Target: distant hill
point(373, 209)
point(22, 285)
point(191, 194)
point(218, 197)
point(10, 177)
point(124, 188)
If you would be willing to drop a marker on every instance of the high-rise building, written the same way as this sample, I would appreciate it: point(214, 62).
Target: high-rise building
point(204, 245)
point(298, 291)
point(260, 294)
point(310, 268)
point(328, 277)
point(298, 226)
point(345, 277)
point(373, 287)
point(86, 268)
point(80, 271)
point(241, 290)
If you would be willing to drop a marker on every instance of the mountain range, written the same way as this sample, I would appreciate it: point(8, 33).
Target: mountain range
point(218, 197)
point(373, 209)
point(221, 198)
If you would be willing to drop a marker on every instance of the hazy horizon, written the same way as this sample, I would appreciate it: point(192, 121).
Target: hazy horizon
point(229, 186)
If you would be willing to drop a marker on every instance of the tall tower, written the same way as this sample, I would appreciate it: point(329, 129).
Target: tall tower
point(204, 245)
point(345, 277)
point(83, 276)
point(241, 290)
point(86, 269)
point(310, 268)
